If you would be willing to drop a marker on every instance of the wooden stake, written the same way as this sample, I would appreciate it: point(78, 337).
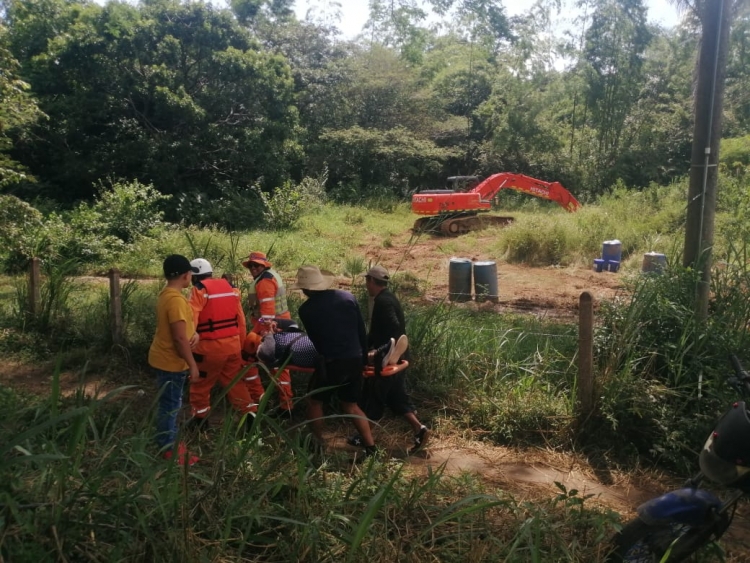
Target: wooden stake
point(35, 285)
point(115, 306)
point(585, 355)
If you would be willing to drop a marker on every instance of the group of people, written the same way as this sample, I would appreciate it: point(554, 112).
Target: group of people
point(207, 340)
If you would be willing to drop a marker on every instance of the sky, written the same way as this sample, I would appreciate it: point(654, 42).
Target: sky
point(354, 12)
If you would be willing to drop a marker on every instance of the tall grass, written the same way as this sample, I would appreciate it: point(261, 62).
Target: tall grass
point(80, 479)
point(662, 370)
point(510, 376)
point(651, 220)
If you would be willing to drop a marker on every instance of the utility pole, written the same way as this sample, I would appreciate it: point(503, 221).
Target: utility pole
point(709, 101)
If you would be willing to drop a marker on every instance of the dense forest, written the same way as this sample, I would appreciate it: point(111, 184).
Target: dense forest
point(222, 105)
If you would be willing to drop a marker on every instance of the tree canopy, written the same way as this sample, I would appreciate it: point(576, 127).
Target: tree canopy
point(195, 99)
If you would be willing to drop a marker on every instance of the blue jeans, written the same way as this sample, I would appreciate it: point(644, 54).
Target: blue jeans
point(170, 386)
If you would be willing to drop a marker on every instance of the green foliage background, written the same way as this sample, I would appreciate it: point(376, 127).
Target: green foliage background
point(209, 104)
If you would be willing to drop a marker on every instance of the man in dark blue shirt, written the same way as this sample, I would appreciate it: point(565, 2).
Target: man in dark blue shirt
point(333, 321)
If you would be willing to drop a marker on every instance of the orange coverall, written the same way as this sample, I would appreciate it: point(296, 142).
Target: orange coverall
point(219, 359)
point(266, 289)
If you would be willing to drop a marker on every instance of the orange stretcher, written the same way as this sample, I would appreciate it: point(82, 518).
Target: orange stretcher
point(369, 371)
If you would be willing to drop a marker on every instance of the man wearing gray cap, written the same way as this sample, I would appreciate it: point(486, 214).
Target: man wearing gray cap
point(387, 324)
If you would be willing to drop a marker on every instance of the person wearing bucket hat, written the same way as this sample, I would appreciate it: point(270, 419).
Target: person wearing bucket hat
point(387, 325)
point(170, 355)
point(220, 320)
point(267, 300)
point(334, 324)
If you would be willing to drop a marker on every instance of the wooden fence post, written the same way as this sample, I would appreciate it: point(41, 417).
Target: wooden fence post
point(115, 306)
point(34, 286)
point(585, 354)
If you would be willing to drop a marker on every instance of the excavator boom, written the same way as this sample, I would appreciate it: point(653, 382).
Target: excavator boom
point(456, 210)
point(435, 202)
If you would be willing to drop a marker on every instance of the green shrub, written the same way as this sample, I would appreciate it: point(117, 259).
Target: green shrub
point(129, 211)
point(735, 153)
point(122, 214)
point(19, 225)
point(289, 202)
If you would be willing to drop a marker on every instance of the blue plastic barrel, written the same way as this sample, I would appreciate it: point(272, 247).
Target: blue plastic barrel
point(653, 263)
point(612, 251)
point(459, 280)
point(485, 281)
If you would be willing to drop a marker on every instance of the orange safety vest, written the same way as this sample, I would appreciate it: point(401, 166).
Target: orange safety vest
point(219, 318)
point(279, 301)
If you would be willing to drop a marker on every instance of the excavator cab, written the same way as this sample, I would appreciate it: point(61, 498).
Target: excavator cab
point(462, 183)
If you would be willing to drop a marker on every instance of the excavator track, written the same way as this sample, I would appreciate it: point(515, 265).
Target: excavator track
point(452, 225)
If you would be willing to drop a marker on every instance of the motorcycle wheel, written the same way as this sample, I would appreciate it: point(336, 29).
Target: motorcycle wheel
point(639, 542)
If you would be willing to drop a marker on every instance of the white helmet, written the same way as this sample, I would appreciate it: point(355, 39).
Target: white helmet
point(203, 265)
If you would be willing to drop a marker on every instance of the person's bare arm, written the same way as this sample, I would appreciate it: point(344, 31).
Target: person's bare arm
point(197, 302)
point(182, 345)
point(241, 318)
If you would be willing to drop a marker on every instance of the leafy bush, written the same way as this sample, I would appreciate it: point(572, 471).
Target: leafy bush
point(735, 153)
point(24, 233)
point(289, 202)
point(19, 225)
point(129, 210)
point(121, 214)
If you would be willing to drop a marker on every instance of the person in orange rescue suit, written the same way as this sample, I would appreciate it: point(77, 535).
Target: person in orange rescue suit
point(220, 322)
point(267, 300)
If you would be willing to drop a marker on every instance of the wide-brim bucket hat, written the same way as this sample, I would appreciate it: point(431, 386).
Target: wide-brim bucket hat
point(257, 258)
point(314, 279)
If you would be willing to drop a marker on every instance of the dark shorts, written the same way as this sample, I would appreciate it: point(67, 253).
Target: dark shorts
point(381, 392)
point(345, 376)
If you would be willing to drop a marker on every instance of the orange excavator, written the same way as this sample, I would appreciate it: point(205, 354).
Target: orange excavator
point(456, 211)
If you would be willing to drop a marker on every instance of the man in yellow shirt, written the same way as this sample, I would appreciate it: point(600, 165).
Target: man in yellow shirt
point(171, 356)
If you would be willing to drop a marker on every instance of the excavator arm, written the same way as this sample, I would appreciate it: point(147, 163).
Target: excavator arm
point(436, 202)
point(552, 191)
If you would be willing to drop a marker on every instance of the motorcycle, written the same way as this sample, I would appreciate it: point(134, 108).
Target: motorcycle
point(672, 527)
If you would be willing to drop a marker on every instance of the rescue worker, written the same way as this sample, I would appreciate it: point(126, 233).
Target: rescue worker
point(267, 300)
point(220, 322)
